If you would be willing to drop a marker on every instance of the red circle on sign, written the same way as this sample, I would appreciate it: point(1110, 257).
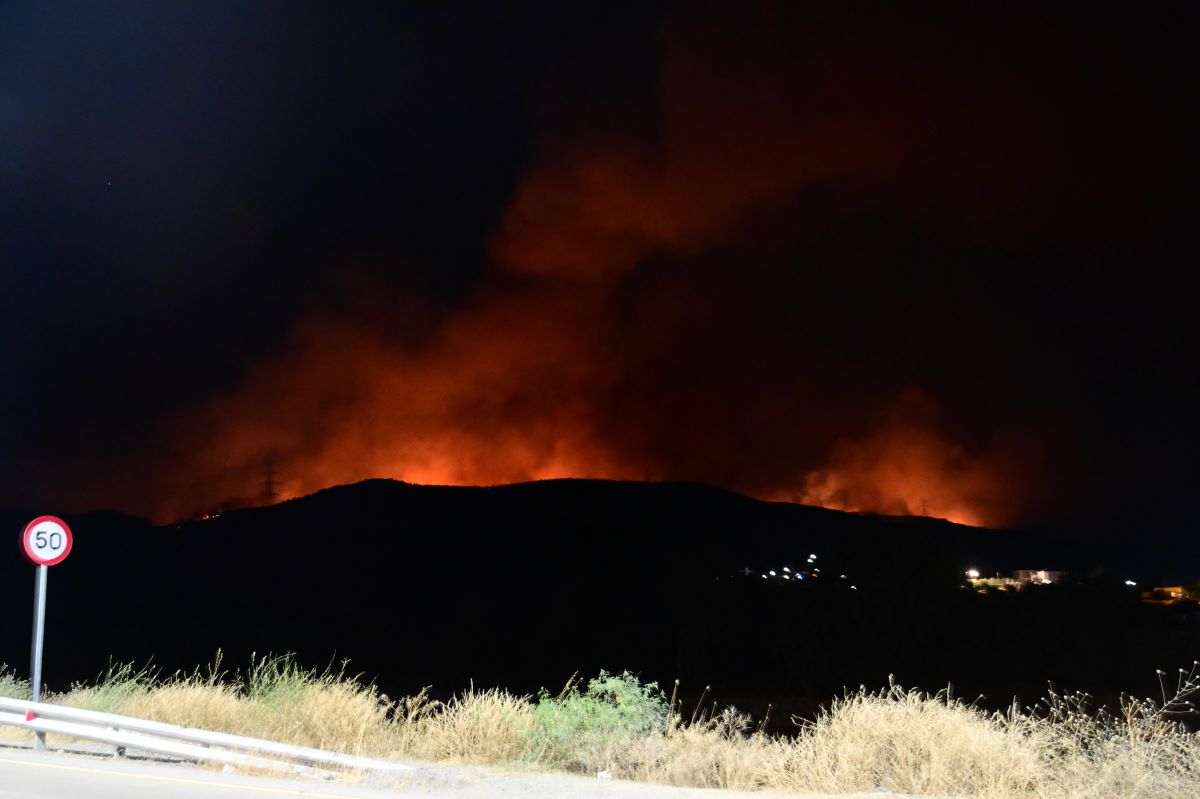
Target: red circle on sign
point(33, 553)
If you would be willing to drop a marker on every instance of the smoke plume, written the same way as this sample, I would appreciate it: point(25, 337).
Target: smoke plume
point(732, 286)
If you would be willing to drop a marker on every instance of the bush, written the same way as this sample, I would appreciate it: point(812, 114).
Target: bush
point(584, 730)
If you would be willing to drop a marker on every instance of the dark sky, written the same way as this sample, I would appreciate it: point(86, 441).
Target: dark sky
point(907, 262)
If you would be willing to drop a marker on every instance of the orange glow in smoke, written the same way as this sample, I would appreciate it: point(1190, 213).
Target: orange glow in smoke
point(570, 360)
point(910, 472)
point(904, 467)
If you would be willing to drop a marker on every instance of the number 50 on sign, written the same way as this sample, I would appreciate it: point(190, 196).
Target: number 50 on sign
point(46, 541)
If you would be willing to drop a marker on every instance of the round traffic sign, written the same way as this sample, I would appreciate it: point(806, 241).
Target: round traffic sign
point(46, 541)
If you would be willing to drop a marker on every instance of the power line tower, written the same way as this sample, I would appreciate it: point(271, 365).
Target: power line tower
point(270, 483)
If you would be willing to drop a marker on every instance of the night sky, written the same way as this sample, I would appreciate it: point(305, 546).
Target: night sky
point(929, 261)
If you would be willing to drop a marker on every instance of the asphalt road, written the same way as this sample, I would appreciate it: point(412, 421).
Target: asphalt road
point(26, 775)
point(55, 775)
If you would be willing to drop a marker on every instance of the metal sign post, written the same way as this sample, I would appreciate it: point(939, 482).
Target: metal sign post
point(46, 541)
point(39, 635)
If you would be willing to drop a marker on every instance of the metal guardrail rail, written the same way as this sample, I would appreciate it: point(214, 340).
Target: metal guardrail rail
point(184, 742)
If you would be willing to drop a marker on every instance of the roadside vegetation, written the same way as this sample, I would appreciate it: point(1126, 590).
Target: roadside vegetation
point(897, 739)
point(10, 686)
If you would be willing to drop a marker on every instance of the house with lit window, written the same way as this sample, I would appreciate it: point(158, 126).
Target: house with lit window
point(1039, 576)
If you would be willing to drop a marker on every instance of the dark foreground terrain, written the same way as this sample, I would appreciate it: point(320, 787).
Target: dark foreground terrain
point(521, 586)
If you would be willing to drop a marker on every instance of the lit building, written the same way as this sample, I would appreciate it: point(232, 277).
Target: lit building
point(1167, 595)
point(1039, 576)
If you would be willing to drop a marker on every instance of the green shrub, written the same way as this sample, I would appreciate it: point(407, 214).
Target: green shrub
point(583, 730)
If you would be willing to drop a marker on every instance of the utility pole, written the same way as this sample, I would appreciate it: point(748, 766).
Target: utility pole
point(270, 483)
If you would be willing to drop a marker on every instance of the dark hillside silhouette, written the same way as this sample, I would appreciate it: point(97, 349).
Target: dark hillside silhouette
point(523, 585)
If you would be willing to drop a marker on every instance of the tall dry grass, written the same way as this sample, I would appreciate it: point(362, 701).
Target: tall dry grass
point(900, 740)
point(274, 698)
point(11, 686)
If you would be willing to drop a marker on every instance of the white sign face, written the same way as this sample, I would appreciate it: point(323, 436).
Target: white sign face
point(47, 540)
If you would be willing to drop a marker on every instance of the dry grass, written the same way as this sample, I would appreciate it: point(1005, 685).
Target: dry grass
point(274, 698)
point(909, 742)
point(900, 740)
point(13, 688)
point(484, 727)
point(10, 685)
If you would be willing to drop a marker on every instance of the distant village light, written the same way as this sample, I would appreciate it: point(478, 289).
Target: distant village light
point(973, 574)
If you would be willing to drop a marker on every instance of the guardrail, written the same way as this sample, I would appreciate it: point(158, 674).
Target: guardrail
point(184, 742)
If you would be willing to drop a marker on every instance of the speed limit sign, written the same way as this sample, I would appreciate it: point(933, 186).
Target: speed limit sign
point(46, 541)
